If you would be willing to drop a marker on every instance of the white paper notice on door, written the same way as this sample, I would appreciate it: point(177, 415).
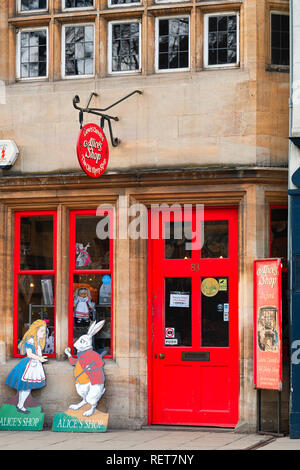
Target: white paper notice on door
point(179, 299)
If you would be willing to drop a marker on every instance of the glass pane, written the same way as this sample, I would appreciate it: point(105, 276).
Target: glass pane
point(36, 301)
point(215, 239)
point(214, 312)
point(36, 243)
point(177, 234)
point(92, 301)
point(91, 252)
point(178, 311)
point(278, 242)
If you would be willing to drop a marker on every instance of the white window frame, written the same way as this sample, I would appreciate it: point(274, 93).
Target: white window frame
point(157, 69)
point(18, 54)
point(122, 5)
point(109, 47)
point(276, 12)
point(22, 12)
point(63, 55)
point(64, 8)
point(205, 42)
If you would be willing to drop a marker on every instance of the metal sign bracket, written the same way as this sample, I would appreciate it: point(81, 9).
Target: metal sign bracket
point(101, 112)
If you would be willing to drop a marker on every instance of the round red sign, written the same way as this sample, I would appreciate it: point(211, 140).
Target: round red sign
point(92, 150)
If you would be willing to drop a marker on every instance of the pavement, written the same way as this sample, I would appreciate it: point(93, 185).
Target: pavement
point(158, 441)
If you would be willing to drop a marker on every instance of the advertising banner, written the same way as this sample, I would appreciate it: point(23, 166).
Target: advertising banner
point(267, 324)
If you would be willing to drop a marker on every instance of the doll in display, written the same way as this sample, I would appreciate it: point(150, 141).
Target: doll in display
point(29, 374)
point(82, 257)
point(83, 306)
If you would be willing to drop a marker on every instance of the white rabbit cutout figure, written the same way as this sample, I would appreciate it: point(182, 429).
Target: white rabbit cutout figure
point(88, 370)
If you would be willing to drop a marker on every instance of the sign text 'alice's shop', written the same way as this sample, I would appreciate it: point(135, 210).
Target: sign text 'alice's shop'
point(92, 150)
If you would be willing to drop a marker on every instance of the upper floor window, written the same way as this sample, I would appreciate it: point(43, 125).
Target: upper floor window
point(124, 46)
point(221, 40)
point(118, 3)
point(78, 50)
point(280, 39)
point(172, 43)
point(32, 53)
point(77, 4)
point(29, 5)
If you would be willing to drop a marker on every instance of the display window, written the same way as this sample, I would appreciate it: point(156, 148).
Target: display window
point(34, 275)
point(90, 288)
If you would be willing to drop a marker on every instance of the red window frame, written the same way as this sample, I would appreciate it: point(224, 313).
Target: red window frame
point(18, 271)
point(73, 271)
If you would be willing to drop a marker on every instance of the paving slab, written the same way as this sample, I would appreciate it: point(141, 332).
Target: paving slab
point(152, 440)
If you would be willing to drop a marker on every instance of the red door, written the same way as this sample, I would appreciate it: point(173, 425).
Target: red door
point(193, 321)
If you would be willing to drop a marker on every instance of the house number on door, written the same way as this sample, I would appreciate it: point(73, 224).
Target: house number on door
point(195, 267)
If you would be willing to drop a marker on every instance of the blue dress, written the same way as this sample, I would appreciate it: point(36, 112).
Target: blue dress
point(28, 374)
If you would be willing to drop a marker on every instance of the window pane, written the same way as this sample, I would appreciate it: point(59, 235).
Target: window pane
point(36, 243)
point(279, 226)
point(178, 311)
point(222, 40)
point(279, 39)
point(215, 239)
point(36, 301)
point(78, 3)
point(79, 50)
point(173, 43)
point(123, 2)
point(125, 47)
point(92, 252)
point(27, 5)
point(177, 234)
point(92, 301)
point(33, 54)
point(214, 312)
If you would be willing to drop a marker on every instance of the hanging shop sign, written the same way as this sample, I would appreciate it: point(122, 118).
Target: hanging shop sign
point(267, 324)
point(92, 150)
point(8, 154)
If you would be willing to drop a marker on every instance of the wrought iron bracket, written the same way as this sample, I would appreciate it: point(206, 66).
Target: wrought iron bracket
point(101, 112)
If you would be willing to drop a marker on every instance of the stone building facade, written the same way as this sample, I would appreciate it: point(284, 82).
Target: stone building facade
point(210, 128)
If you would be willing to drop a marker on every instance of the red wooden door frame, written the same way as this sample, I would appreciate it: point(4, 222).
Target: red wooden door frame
point(211, 265)
point(18, 271)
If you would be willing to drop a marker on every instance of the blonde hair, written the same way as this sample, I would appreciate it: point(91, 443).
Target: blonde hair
point(32, 333)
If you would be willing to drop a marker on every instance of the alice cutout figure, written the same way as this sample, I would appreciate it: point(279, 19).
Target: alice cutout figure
point(29, 374)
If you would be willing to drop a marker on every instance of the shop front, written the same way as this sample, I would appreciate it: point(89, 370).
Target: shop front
point(166, 259)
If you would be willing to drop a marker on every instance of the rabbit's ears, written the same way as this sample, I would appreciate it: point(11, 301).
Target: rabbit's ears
point(95, 327)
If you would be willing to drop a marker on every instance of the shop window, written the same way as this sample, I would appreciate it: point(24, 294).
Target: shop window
point(278, 249)
point(31, 5)
point(280, 39)
point(35, 272)
point(124, 47)
point(32, 53)
point(172, 43)
point(278, 233)
point(91, 247)
point(70, 4)
point(221, 40)
point(78, 50)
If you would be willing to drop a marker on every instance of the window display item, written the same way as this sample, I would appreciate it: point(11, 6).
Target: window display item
point(82, 257)
point(84, 308)
point(89, 382)
point(105, 291)
point(27, 375)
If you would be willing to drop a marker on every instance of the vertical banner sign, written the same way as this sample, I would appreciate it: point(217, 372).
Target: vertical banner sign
point(267, 324)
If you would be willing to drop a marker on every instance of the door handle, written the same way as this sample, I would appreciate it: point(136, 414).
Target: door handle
point(161, 356)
